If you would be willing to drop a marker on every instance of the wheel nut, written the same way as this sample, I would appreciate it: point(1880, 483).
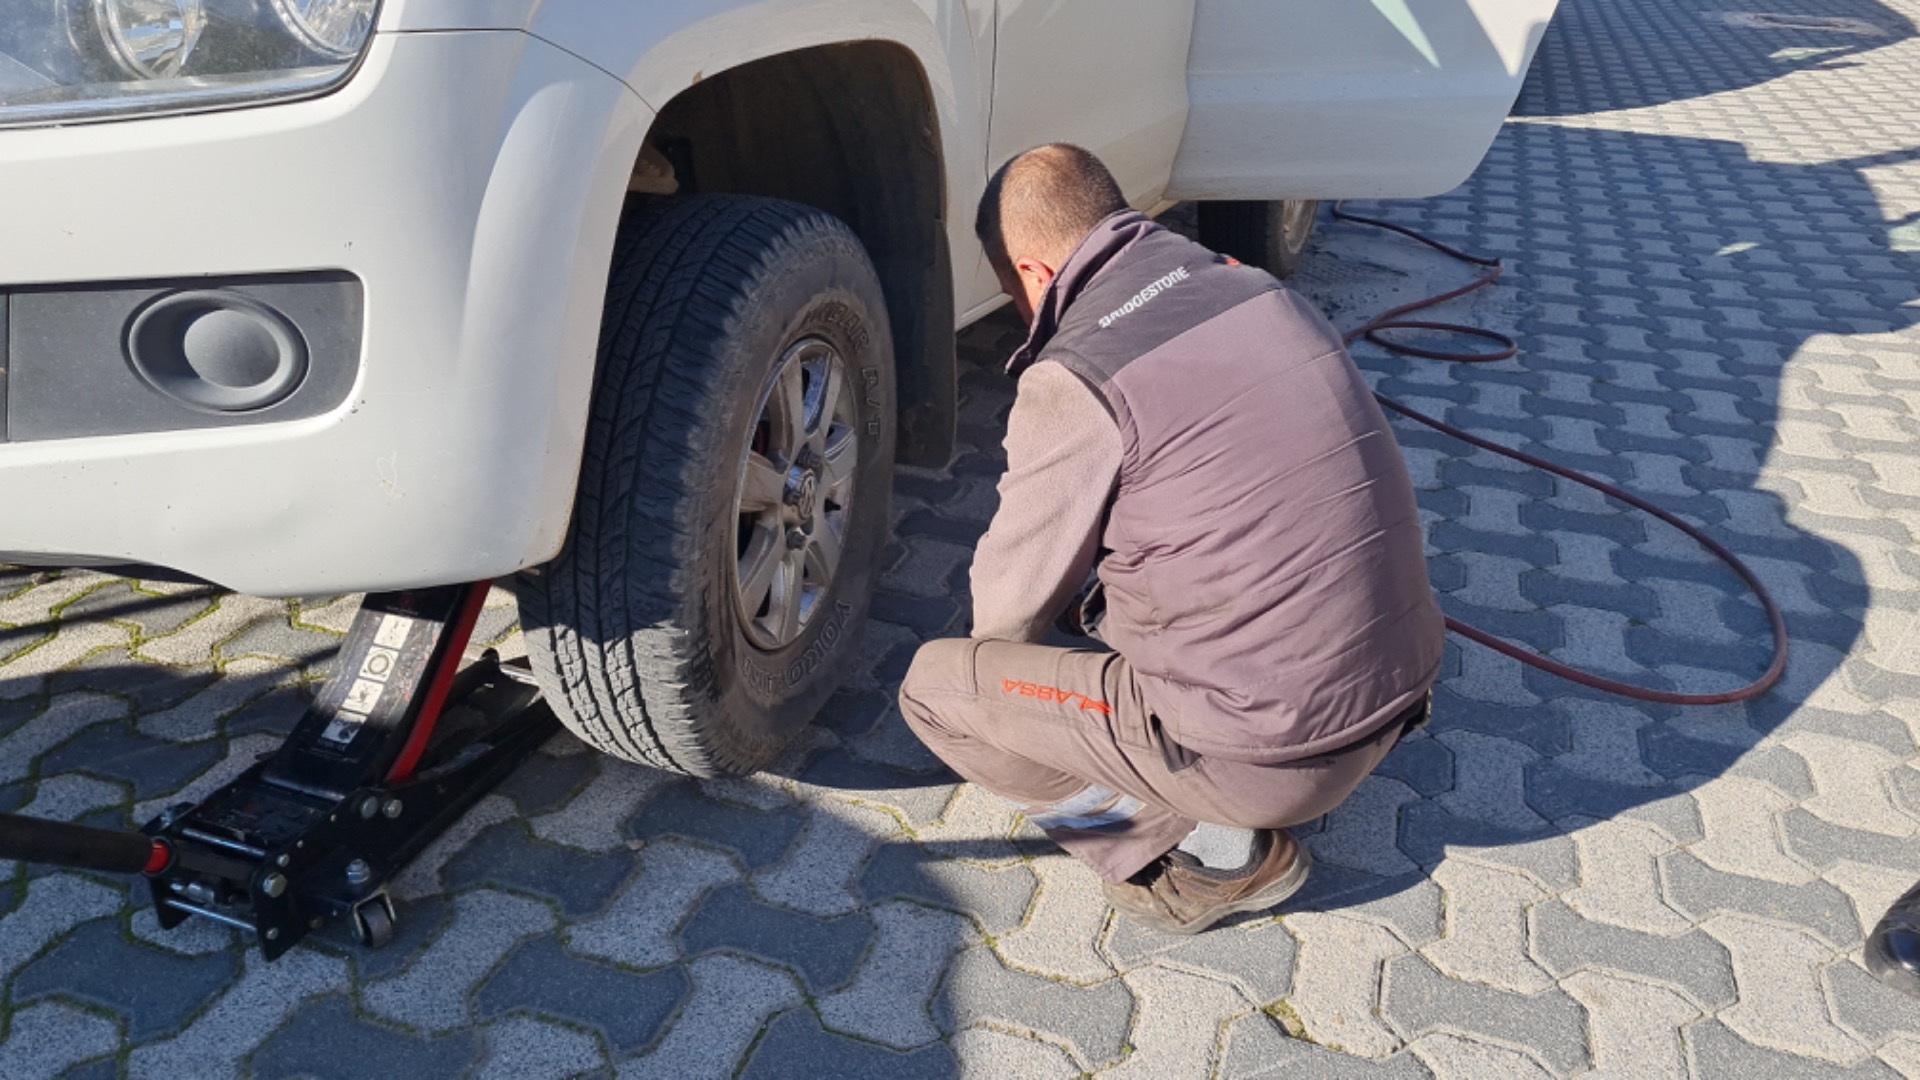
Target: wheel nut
point(273, 885)
point(393, 808)
point(796, 538)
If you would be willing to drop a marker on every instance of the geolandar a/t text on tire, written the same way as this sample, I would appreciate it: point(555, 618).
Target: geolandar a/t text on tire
point(733, 495)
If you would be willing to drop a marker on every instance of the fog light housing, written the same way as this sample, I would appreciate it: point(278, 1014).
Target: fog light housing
point(218, 350)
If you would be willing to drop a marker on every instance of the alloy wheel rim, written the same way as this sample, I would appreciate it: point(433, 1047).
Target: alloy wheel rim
point(793, 498)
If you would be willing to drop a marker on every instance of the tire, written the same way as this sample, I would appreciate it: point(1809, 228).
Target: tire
point(1270, 235)
point(637, 632)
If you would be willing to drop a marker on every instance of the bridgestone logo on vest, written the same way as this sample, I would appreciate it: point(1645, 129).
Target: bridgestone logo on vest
point(1143, 296)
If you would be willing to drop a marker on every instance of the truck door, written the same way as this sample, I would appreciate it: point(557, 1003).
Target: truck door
point(1110, 75)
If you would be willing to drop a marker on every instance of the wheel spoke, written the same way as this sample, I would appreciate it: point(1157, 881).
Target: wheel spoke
point(785, 615)
point(823, 552)
point(764, 555)
point(790, 407)
point(842, 453)
point(821, 419)
point(762, 485)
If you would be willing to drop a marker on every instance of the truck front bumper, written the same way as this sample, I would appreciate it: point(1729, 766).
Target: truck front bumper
point(466, 185)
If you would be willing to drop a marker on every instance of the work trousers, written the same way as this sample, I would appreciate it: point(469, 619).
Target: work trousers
point(1066, 735)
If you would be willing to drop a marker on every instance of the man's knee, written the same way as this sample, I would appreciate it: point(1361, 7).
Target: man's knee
point(940, 668)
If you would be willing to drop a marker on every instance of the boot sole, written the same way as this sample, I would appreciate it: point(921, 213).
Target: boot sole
point(1273, 895)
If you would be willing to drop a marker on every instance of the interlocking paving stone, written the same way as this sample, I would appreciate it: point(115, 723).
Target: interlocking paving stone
point(1632, 1027)
point(1417, 999)
point(545, 782)
point(795, 1046)
point(1692, 962)
point(326, 1041)
point(154, 992)
point(732, 1001)
point(1867, 1008)
point(638, 929)
point(1257, 1046)
point(522, 1048)
point(823, 951)
point(264, 997)
point(1094, 1020)
point(1716, 1053)
point(1256, 957)
point(998, 898)
point(152, 766)
point(506, 857)
point(628, 1010)
point(431, 994)
point(48, 1039)
point(1697, 891)
point(889, 999)
point(759, 839)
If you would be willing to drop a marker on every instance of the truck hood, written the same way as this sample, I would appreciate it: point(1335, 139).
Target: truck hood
point(404, 15)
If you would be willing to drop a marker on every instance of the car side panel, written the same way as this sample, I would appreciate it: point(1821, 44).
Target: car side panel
point(1330, 99)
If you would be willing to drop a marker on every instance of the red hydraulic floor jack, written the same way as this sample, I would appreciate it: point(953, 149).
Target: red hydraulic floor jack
point(398, 744)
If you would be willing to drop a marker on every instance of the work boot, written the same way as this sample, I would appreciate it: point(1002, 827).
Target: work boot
point(1175, 894)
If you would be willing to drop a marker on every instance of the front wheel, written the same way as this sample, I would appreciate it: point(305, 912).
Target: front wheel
point(1271, 235)
point(733, 496)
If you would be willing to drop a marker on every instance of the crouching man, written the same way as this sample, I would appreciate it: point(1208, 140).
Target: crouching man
point(1195, 434)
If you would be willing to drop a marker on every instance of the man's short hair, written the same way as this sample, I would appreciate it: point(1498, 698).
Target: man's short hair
point(1043, 202)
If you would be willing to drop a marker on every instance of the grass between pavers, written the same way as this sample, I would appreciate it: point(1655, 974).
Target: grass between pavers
point(1288, 1018)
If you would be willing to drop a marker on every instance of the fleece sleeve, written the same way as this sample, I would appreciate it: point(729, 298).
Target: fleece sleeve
point(1063, 459)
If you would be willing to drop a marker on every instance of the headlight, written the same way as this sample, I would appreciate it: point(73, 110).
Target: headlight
point(63, 61)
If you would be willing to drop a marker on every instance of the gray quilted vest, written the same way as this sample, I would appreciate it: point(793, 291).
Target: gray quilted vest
point(1263, 564)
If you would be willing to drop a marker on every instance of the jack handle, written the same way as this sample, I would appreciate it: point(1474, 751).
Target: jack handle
point(81, 847)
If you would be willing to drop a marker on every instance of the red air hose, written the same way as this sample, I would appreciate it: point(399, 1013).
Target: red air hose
point(1505, 347)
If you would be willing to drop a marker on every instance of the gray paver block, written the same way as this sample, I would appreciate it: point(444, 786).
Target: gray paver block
point(998, 898)
point(539, 975)
point(1257, 1046)
point(1255, 957)
point(153, 766)
point(1821, 844)
point(824, 951)
point(1716, 1053)
point(522, 1048)
point(432, 994)
point(1697, 891)
point(153, 991)
point(732, 1001)
point(980, 990)
point(889, 998)
point(326, 1041)
point(506, 857)
point(638, 929)
point(1692, 962)
point(1868, 1008)
point(1416, 999)
point(758, 838)
point(263, 998)
point(48, 1039)
point(795, 1047)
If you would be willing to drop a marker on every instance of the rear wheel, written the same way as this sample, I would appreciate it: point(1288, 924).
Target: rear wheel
point(1271, 235)
point(733, 495)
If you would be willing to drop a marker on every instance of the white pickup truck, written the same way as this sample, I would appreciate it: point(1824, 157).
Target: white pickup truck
point(639, 300)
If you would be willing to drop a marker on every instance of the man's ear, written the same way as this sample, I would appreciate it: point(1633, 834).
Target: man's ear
point(1036, 275)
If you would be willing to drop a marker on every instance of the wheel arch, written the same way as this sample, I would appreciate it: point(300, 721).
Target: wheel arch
point(852, 106)
point(851, 129)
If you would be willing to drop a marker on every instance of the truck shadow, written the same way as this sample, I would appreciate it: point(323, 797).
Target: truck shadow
point(1599, 57)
